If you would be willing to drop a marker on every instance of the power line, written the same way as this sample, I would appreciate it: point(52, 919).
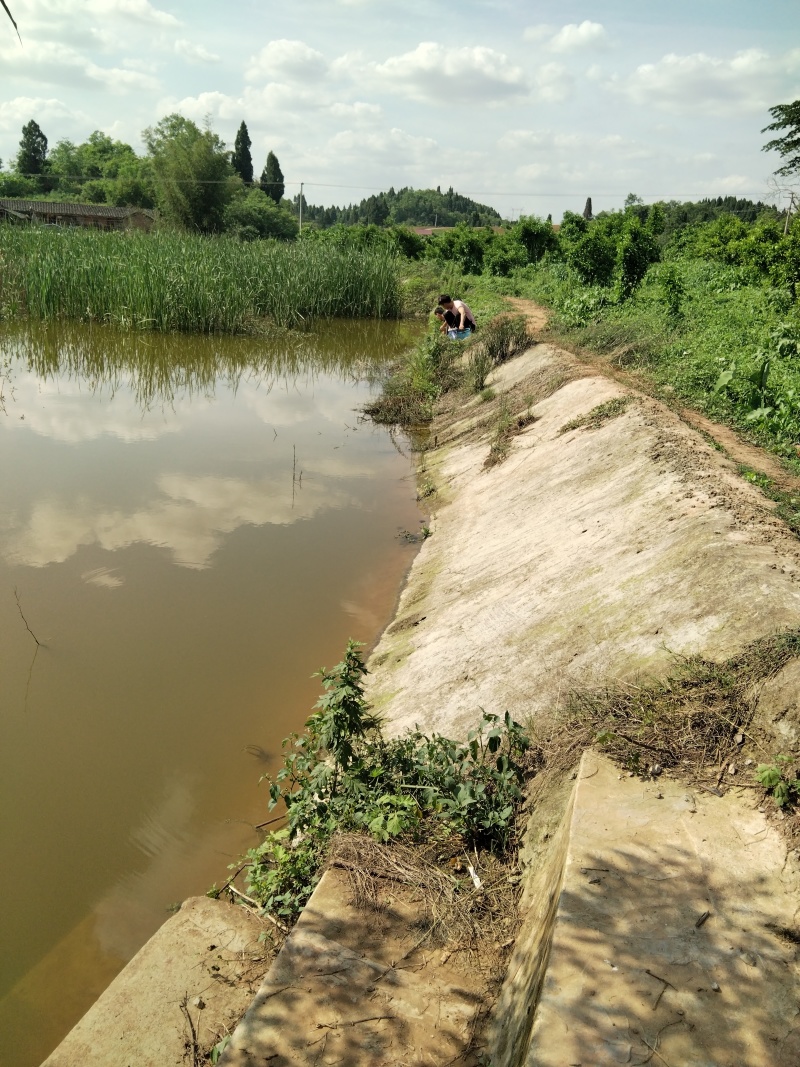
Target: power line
point(380, 189)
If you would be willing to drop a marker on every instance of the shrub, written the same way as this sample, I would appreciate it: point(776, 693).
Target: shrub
point(636, 252)
point(342, 775)
point(593, 256)
point(256, 215)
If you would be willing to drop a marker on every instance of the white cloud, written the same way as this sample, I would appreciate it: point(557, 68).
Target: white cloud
point(554, 83)
point(286, 60)
point(435, 73)
point(538, 33)
point(190, 518)
point(61, 413)
point(752, 80)
point(576, 37)
point(21, 108)
point(393, 146)
point(283, 104)
point(734, 183)
point(195, 53)
point(55, 63)
point(138, 10)
point(358, 110)
point(102, 576)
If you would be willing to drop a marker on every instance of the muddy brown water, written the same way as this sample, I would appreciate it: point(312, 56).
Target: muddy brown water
point(190, 527)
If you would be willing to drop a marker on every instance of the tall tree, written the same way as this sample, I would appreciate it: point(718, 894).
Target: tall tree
point(193, 179)
point(241, 160)
point(787, 117)
point(272, 178)
point(32, 155)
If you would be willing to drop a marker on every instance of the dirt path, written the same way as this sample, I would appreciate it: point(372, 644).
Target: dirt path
point(739, 450)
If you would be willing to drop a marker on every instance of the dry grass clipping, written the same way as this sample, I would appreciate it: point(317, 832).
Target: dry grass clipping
point(687, 723)
point(481, 922)
point(598, 416)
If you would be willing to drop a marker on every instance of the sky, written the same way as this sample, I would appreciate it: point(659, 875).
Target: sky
point(528, 107)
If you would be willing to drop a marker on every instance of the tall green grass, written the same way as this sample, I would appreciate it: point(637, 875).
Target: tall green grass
point(170, 281)
point(722, 340)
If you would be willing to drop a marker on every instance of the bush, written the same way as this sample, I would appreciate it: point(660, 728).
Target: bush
point(256, 216)
point(593, 257)
point(636, 252)
point(504, 255)
point(342, 775)
point(535, 235)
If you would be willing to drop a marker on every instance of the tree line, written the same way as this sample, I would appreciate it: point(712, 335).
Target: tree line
point(189, 175)
point(196, 183)
point(186, 173)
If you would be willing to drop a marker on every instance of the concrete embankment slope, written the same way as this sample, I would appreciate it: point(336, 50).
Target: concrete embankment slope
point(590, 554)
point(659, 918)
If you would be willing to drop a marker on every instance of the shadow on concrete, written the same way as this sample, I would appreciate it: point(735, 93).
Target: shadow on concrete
point(658, 956)
point(349, 987)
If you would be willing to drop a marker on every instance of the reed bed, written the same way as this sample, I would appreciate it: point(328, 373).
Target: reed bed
point(169, 281)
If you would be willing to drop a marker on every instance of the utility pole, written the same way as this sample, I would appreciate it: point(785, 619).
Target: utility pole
point(301, 207)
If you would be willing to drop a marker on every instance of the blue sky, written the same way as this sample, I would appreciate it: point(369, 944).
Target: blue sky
point(528, 107)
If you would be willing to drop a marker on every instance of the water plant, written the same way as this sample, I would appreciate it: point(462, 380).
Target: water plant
point(176, 281)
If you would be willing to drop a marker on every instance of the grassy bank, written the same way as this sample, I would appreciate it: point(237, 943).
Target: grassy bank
point(718, 336)
point(171, 281)
point(708, 310)
point(722, 342)
point(436, 365)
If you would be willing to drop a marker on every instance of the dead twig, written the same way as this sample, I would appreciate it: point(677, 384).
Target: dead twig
point(354, 1022)
point(257, 909)
point(22, 616)
point(193, 1046)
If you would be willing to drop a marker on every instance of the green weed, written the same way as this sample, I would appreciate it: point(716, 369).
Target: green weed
point(788, 504)
point(506, 427)
point(781, 783)
point(599, 415)
point(342, 775)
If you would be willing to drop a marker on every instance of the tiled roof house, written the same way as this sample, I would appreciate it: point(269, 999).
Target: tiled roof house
point(100, 216)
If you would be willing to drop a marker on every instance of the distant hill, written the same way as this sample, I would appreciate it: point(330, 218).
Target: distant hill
point(407, 207)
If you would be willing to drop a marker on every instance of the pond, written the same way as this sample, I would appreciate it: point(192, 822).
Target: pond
point(190, 528)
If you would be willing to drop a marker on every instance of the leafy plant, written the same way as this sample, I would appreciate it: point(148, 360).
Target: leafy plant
point(673, 289)
point(343, 775)
point(219, 1048)
point(777, 780)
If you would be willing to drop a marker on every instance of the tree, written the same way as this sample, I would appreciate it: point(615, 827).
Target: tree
point(376, 210)
point(272, 178)
point(535, 236)
point(193, 178)
point(241, 160)
point(255, 215)
point(787, 117)
point(32, 155)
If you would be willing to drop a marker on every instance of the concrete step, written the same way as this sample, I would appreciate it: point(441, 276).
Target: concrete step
point(208, 953)
point(662, 929)
point(353, 987)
